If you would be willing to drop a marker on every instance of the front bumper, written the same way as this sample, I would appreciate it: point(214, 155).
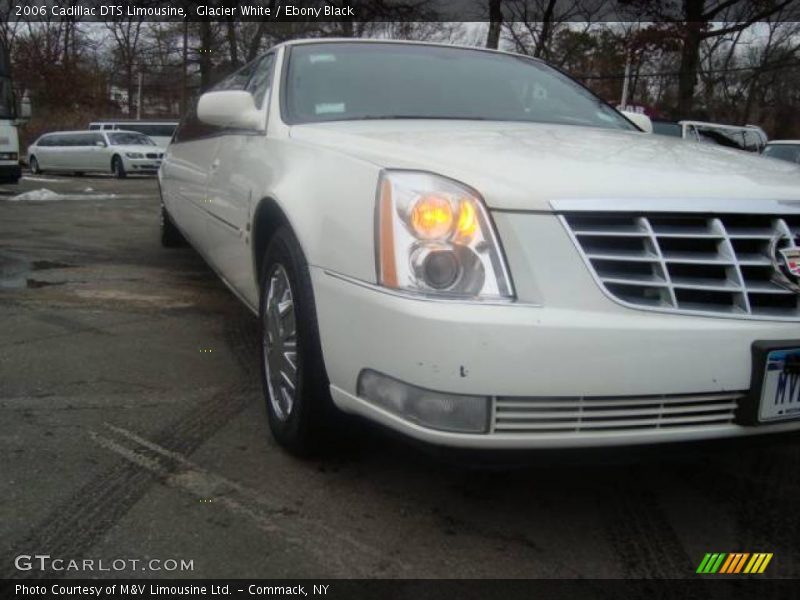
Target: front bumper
point(523, 354)
point(142, 165)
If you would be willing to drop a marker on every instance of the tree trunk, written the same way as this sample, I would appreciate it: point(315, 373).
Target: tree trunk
point(255, 42)
point(185, 68)
point(234, 52)
point(205, 55)
point(690, 56)
point(543, 43)
point(495, 24)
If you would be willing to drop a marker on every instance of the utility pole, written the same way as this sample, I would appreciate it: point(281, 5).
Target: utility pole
point(139, 99)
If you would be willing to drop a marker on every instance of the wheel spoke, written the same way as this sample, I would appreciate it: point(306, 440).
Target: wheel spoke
point(280, 342)
point(290, 359)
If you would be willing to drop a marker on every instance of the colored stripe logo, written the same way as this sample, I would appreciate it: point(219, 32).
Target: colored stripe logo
point(734, 563)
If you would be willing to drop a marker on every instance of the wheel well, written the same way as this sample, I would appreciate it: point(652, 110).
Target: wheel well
point(266, 221)
point(113, 158)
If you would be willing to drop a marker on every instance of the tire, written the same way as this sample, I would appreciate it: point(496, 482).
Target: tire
point(304, 425)
point(118, 168)
point(34, 165)
point(171, 237)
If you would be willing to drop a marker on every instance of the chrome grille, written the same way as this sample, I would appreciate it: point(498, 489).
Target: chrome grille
point(689, 263)
point(596, 414)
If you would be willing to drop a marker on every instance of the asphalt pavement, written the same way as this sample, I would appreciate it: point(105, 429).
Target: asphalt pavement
point(132, 430)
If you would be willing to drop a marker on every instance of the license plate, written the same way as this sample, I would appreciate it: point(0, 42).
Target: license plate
point(780, 387)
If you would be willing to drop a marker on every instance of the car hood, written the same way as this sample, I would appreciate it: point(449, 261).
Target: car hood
point(524, 166)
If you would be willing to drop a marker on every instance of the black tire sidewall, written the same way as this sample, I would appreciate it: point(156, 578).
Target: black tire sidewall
point(303, 431)
point(118, 167)
point(171, 236)
point(35, 170)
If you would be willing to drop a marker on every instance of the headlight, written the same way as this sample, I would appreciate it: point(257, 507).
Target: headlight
point(134, 155)
point(434, 236)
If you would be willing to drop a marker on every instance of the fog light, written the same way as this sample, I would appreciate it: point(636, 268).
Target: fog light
point(437, 410)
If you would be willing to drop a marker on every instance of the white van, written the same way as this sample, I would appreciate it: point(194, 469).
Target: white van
point(158, 131)
point(9, 119)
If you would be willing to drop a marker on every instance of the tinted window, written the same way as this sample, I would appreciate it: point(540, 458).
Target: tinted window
point(94, 126)
point(62, 140)
point(45, 141)
point(125, 138)
point(260, 82)
point(350, 81)
point(84, 139)
point(789, 152)
point(7, 107)
point(753, 140)
point(667, 128)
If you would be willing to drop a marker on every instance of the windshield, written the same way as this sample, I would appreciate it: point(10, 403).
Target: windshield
point(790, 152)
point(344, 81)
point(6, 99)
point(130, 139)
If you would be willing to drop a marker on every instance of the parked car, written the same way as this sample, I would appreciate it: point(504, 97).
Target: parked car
point(471, 248)
point(117, 152)
point(788, 150)
point(159, 131)
point(750, 138)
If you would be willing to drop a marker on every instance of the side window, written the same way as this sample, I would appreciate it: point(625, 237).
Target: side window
point(45, 141)
point(192, 128)
point(238, 80)
point(86, 139)
point(97, 137)
point(260, 83)
point(59, 141)
point(94, 126)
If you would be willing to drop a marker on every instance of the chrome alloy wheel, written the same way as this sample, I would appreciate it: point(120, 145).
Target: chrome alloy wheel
point(280, 343)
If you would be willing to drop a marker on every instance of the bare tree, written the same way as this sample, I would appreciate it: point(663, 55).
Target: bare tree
point(127, 35)
point(696, 23)
point(533, 25)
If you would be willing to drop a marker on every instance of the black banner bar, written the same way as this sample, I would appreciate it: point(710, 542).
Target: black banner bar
point(378, 10)
point(712, 587)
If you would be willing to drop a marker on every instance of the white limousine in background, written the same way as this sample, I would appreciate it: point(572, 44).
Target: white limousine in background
point(471, 248)
point(117, 152)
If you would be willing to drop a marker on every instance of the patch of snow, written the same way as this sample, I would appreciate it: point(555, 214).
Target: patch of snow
point(45, 195)
point(47, 179)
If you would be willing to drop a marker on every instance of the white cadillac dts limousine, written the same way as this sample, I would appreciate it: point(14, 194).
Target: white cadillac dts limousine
point(471, 248)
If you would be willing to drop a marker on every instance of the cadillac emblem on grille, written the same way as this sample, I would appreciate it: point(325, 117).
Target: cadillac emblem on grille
point(784, 250)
